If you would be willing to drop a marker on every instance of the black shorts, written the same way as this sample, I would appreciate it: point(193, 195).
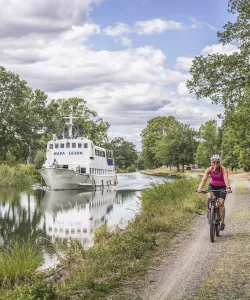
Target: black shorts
point(220, 195)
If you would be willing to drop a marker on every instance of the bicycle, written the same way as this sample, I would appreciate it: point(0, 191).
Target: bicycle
point(214, 213)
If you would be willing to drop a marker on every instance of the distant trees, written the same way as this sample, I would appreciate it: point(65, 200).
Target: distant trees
point(167, 141)
point(124, 152)
point(209, 143)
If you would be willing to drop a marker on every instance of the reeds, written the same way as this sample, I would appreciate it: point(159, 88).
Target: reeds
point(17, 176)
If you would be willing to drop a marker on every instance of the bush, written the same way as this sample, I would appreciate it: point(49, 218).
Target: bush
point(39, 159)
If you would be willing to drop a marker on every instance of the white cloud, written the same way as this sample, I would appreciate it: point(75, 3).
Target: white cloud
point(156, 26)
point(126, 41)
point(199, 24)
point(18, 18)
point(118, 30)
point(184, 63)
point(219, 48)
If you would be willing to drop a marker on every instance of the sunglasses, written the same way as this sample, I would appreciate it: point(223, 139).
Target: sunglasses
point(216, 162)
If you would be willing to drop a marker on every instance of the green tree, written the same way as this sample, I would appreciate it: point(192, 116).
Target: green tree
point(152, 135)
point(22, 113)
point(86, 122)
point(181, 145)
point(236, 136)
point(208, 144)
point(125, 153)
point(221, 77)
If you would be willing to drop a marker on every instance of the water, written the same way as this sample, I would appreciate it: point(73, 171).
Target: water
point(58, 217)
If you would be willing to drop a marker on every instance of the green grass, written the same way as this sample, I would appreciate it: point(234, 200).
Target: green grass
point(19, 260)
point(19, 175)
point(166, 208)
point(241, 187)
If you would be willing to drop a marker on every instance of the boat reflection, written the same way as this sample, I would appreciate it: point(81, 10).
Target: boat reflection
point(75, 215)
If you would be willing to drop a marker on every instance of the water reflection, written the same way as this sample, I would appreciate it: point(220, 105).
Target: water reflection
point(58, 216)
point(73, 215)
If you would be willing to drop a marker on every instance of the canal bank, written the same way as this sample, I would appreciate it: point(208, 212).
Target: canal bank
point(123, 254)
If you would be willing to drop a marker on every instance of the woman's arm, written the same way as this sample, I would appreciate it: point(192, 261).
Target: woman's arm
point(204, 180)
point(225, 175)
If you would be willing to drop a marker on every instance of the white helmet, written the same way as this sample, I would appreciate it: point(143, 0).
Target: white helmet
point(215, 157)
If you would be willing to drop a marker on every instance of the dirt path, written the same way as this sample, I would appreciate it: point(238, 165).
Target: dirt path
point(187, 272)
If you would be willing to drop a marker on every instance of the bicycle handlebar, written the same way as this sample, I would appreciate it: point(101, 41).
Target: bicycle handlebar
point(213, 191)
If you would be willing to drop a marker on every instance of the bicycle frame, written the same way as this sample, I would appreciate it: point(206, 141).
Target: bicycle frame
point(214, 213)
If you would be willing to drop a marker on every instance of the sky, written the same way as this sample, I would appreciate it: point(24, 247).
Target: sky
point(128, 59)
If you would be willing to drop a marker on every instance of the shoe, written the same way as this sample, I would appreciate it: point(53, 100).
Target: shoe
point(222, 226)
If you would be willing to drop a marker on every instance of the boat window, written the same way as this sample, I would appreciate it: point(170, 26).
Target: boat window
point(79, 145)
point(90, 171)
point(51, 146)
point(67, 145)
point(56, 145)
point(62, 145)
point(73, 145)
point(83, 170)
point(85, 145)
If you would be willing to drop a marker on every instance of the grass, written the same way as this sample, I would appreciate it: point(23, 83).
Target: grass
point(19, 260)
point(117, 256)
point(19, 175)
point(241, 187)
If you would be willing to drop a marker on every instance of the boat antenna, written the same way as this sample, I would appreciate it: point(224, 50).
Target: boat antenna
point(69, 122)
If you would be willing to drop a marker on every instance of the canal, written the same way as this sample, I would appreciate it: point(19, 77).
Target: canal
point(59, 217)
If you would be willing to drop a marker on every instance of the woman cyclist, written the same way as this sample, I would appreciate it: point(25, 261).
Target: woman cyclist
point(219, 181)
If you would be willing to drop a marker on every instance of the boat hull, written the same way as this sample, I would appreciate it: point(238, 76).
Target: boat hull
point(64, 179)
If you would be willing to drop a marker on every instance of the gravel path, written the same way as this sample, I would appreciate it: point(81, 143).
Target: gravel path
point(187, 271)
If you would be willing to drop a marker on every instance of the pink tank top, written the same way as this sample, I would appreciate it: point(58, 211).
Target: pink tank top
point(217, 179)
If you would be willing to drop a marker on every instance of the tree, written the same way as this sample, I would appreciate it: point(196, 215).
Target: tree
point(236, 136)
point(223, 77)
point(152, 135)
point(87, 122)
point(125, 153)
point(208, 144)
point(181, 145)
point(22, 112)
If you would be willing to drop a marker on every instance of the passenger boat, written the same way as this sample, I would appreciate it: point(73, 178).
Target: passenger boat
point(75, 163)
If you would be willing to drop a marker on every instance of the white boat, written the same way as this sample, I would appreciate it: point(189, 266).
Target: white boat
point(77, 164)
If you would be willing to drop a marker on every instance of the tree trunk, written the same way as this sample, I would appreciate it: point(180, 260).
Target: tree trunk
point(183, 168)
point(29, 156)
point(178, 168)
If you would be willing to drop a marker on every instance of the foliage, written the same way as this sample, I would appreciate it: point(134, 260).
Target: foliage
point(224, 77)
point(19, 260)
point(21, 112)
point(152, 135)
point(39, 290)
point(18, 175)
point(86, 122)
point(125, 153)
point(39, 159)
point(236, 136)
point(209, 143)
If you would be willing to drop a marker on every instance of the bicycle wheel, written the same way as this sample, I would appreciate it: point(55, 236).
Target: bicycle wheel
point(217, 221)
point(212, 224)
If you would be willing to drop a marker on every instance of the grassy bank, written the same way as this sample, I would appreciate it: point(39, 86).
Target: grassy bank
point(166, 171)
point(19, 175)
point(119, 256)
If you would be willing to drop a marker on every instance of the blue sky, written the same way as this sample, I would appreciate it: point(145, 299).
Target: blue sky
point(128, 59)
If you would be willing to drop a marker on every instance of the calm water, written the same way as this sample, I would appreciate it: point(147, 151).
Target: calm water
point(57, 217)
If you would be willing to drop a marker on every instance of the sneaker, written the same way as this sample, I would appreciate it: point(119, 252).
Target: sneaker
point(222, 226)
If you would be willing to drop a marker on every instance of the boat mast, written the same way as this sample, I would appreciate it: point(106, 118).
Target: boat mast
point(69, 122)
